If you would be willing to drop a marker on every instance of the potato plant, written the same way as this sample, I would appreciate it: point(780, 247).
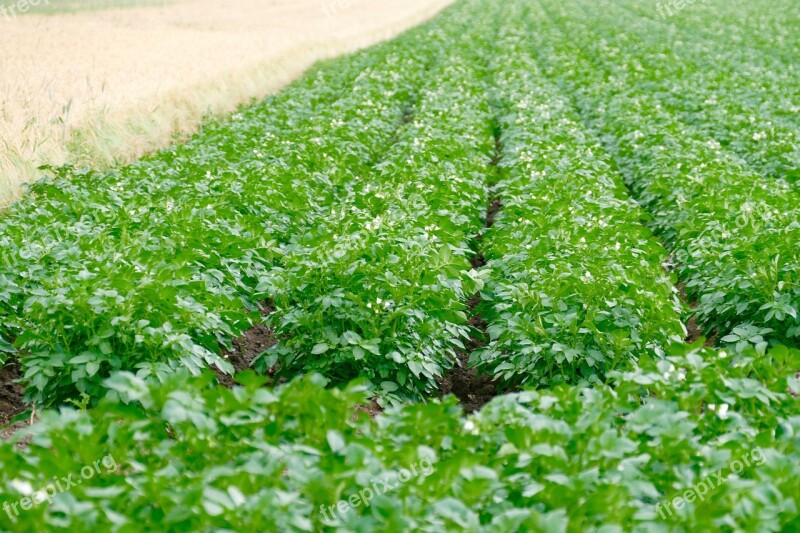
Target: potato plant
point(574, 282)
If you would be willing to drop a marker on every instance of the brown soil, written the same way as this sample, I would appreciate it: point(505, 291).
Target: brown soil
point(8, 432)
point(477, 261)
point(250, 345)
point(491, 212)
point(372, 409)
point(473, 390)
point(695, 331)
point(11, 402)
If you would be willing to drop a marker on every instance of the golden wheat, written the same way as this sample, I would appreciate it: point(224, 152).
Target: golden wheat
point(104, 87)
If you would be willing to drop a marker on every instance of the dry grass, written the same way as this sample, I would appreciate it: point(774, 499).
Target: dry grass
point(104, 87)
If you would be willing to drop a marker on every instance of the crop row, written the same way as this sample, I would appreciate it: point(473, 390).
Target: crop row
point(574, 283)
point(732, 233)
point(709, 448)
point(378, 287)
point(743, 99)
point(157, 265)
point(769, 29)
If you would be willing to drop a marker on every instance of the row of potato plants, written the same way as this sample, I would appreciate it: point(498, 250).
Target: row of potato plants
point(378, 287)
point(732, 233)
point(698, 441)
point(744, 99)
point(574, 283)
point(768, 29)
point(156, 265)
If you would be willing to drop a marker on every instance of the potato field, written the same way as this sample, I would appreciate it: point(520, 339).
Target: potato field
point(532, 266)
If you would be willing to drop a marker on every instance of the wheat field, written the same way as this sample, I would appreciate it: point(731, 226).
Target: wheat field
point(100, 83)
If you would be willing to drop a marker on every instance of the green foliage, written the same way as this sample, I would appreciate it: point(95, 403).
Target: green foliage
point(161, 264)
point(190, 455)
point(732, 232)
point(574, 282)
point(378, 286)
